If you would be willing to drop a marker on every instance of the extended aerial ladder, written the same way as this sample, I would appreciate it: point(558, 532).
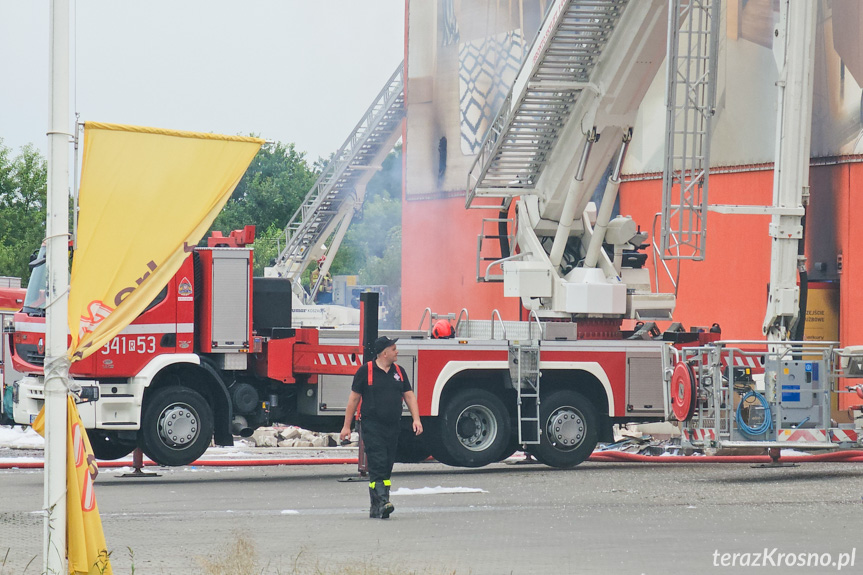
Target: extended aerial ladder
point(570, 111)
point(339, 192)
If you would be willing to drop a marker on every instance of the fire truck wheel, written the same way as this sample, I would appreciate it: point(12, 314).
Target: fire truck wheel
point(176, 427)
point(107, 446)
point(569, 429)
point(474, 429)
point(432, 433)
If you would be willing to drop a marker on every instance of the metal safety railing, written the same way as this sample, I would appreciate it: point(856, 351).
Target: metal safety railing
point(755, 394)
point(557, 69)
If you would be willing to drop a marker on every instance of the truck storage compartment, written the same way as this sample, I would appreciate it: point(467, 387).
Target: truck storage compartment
point(225, 306)
point(272, 310)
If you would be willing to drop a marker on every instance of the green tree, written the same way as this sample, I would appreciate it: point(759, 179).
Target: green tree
point(23, 190)
point(270, 191)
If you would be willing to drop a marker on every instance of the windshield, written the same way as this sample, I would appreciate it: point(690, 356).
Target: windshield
point(34, 301)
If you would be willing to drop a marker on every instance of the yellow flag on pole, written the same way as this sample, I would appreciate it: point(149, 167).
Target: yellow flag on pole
point(86, 550)
point(147, 195)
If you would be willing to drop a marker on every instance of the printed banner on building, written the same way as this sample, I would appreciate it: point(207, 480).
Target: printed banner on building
point(86, 550)
point(147, 196)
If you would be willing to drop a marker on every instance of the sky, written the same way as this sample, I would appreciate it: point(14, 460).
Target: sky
point(293, 71)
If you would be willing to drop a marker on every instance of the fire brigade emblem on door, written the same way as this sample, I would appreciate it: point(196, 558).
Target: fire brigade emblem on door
point(184, 290)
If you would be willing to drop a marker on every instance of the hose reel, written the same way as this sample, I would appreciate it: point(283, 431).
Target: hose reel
point(684, 388)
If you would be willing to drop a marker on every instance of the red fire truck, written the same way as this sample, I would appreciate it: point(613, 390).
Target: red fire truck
point(214, 355)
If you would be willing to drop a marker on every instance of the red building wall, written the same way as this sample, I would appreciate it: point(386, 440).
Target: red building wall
point(848, 178)
point(729, 287)
point(439, 263)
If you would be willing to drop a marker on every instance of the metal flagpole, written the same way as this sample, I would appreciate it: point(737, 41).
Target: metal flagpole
point(57, 256)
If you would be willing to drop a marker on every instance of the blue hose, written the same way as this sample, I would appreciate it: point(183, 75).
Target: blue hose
point(765, 426)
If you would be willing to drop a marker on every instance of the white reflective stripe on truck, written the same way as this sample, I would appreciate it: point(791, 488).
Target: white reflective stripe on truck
point(134, 329)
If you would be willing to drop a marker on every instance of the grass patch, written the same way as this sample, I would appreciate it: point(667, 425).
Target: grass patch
point(242, 558)
point(3, 567)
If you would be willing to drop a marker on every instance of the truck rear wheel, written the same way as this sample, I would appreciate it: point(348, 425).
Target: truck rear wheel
point(107, 445)
point(176, 427)
point(473, 430)
point(569, 429)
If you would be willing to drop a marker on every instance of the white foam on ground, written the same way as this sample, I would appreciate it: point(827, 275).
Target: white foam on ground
point(436, 490)
point(290, 512)
point(18, 437)
point(236, 451)
point(790, 452)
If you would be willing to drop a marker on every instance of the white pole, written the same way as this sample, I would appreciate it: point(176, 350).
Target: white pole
point(57, 256)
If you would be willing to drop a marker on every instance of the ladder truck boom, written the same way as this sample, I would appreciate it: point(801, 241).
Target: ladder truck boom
point(793, 49)
point(339, 192)
point(570, 113)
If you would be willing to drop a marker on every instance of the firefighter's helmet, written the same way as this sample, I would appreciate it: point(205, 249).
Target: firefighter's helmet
point(442, 330)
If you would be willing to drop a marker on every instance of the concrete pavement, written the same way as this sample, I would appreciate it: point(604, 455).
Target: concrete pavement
point(596, 518)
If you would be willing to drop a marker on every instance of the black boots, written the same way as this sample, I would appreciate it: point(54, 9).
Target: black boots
point(386, 507)
point(376, 503)
point(379, 494)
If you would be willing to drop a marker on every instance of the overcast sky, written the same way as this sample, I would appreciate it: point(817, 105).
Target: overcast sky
point(301, 71)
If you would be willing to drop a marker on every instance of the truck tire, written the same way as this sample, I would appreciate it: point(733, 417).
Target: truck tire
point(176, 427)
point(107, 446)
point(570, 427)
point(432, 432)
point(474, 429)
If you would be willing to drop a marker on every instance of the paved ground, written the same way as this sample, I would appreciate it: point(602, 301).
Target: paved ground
point(596, 518)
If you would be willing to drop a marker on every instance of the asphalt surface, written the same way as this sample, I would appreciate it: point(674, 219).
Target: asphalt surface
point(596, 518)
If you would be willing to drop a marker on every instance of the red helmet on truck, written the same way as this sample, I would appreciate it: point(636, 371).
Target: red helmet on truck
point(442, 330)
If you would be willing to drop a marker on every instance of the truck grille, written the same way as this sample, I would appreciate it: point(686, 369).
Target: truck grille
point(28, 352)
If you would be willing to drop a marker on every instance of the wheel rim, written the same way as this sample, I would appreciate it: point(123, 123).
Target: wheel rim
point(178, 425)
point(566, 428)
point(476, 428)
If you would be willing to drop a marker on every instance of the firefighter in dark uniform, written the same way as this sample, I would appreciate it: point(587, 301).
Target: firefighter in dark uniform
point(382, 385)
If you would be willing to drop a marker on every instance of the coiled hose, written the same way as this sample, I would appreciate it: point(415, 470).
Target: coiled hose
point(765, 425)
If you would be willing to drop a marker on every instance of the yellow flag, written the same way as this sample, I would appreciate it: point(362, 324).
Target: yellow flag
point(146, 196)
point(86, 550)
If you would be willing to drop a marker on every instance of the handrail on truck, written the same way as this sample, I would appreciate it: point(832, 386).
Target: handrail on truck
point(512, 258)
point(426, 312)
point(533, 315)
point(464, 313)
point(494, 313)
point(433, 316)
